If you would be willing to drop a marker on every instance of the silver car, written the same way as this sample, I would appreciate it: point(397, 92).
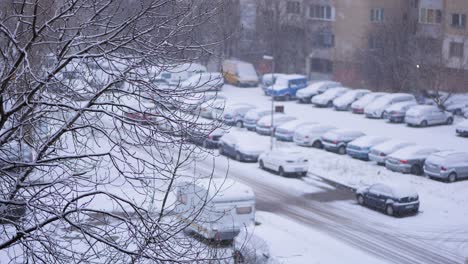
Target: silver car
point(424, 115)
point(409, 160)
point(447, 165)
point(380, 152)
point(311, 135)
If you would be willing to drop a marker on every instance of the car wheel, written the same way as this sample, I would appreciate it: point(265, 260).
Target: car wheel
point(239, 124)
point(452, 177)
point(389, 210)
point(384, 114)
point(221, 151)
point(317, 144)
point(261, 165)
point(238, 156)
point(360, 199)
point(416, 170)
point(281, 171)
point(342, 150)
point(304, 173)
point(449, 121)
point(424, 123)
point(329, 104)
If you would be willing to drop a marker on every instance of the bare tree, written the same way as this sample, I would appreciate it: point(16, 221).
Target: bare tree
point(91, 144)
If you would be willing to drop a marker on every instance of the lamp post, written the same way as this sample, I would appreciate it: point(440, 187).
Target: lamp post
point(272, 134)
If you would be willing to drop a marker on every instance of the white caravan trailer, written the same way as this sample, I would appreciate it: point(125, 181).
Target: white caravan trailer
point(226, 207)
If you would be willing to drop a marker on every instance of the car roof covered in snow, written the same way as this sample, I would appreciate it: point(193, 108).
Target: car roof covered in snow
point(398, 106)
point(223, 189)
point(366, 141)
point(391, 145)
point(340, 133)
point(411, 151)
point(294, 124)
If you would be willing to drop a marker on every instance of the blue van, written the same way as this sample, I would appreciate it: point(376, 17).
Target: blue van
point(286, 86)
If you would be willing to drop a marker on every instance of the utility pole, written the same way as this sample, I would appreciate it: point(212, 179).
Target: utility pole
point(272, 132)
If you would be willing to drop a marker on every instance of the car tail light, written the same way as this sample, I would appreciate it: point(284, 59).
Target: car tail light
point(335, 142)
point(210, 136)
point(393, 113)
point(443, 168)
point(404, 161)
point(382, 154)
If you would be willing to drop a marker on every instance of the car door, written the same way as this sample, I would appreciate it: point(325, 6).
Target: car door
point(267, 160)
point(463, 165)
point(372, 196)
point(437, 116)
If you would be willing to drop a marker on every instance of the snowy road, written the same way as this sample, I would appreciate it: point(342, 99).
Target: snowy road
point(379, 240)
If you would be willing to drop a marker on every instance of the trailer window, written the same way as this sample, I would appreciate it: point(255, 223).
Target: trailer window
point(182, 198)
point(244, 210)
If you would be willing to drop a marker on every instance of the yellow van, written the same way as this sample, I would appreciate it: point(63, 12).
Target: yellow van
point(240, 73)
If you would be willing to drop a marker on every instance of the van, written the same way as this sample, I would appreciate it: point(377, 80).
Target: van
point(286, 87)
point(240, 73)
point(215, 208)
point(269, 79)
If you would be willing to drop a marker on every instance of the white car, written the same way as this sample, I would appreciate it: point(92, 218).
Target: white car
point(380, 152)
point(396, 113)
point(264, 126)
point(326, 99)
point(212, 109)
point(240, 146)
point(343, 103)
point(424, 115)
point(284, 161)
point(206, 81)
point(358, 106)
point(252, 116)
point(462, 128)
point(377, 108)
point(234, 114)
point(286, 131)
point(338, 139)
point(192, 101)
point(305, 95)
point(311, 135)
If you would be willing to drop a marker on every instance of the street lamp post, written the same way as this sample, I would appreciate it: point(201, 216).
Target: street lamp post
point(272, 133)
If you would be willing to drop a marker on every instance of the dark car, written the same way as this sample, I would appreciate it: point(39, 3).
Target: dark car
point(391, 200)
point(239, 147)
point(206, 139)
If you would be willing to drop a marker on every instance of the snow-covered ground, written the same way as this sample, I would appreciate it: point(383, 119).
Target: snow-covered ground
point(443, 210)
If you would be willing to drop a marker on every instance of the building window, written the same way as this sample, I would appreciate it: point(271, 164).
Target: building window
point(321, 65)
point(430, 16)
point(374, 43)
point(323, 12)
point(415, 3)
point(458, 20)
point(377, 14)
point(456, 49)
point(293, 7)
point(326, 39)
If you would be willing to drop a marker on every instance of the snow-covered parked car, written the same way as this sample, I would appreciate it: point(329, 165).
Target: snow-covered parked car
point(234, 114)
point(286, 87)
point(239, 145)
point(212, 109)
point(337, 140)
point(377, 108)
point(286, 131)
point(343, 103)
point(284, 161)
point(393, 200)
point(360, 148)
point(462, 128)
point(409, 160)
point(207, 139)
point(264, 126)
point(379, 152)
point(396, 113)
point(447, 165)
point(252, 116)
point(358, 106)
point(311, 135)
point(305, 95)
point(202, 82)
point(326, 99)
point(192, 101)
point(424, 115)
point(225, 207)
point(269, 79)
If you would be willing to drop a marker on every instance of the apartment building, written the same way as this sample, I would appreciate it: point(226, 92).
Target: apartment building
point(336, 35)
